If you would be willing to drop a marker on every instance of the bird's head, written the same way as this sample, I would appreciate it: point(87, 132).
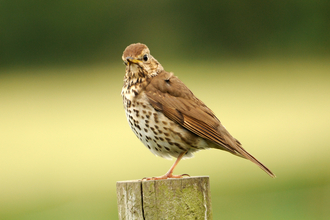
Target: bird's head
point(139, 62)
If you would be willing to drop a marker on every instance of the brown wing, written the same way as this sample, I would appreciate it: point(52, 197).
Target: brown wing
point(168, 94)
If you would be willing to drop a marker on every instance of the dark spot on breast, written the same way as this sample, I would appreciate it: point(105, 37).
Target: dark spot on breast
point(170, 143)
point(149, 146)
point(147, 116)
point(128, 104)
point(184, 140)
point(156, 138)
point(168, 149)
point(146, 130)
point(147, 121)
point(156, 148)
point(156, 127)
point(159, 146)
point(166, 134)
point(164, 122)
point(179, 146)
point(144, 111)
point(162, 139)
point(156, 118)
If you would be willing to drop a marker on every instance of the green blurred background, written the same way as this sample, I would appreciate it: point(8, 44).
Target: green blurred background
point(262, 66)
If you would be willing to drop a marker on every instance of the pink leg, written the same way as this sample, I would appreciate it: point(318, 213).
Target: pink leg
point(169, 173)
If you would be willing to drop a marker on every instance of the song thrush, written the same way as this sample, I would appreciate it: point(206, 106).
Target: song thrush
point(166, 116)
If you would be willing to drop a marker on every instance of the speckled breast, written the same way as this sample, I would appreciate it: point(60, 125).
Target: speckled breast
point(159, 134)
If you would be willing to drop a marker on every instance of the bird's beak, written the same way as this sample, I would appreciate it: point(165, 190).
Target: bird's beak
point(131, 60)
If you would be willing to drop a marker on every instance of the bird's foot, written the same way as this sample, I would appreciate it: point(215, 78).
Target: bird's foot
point(166, 176)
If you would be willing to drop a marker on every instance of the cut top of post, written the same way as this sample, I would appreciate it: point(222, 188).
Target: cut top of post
point(184, 198)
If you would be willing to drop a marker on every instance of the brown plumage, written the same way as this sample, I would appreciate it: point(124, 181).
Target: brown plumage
point(166, 116)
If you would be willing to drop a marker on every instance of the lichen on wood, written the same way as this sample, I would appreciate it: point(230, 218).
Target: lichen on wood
point(185, 198)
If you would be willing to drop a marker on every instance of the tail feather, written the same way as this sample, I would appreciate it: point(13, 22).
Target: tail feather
point(235, 147)
point(248, 156)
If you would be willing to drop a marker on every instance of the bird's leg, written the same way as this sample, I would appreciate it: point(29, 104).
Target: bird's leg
point(170, 171)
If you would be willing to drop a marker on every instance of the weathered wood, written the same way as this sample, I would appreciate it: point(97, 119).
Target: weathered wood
point(129, 200)
point(185, 198)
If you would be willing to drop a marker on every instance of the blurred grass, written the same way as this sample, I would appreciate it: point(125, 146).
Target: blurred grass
point(65, 140)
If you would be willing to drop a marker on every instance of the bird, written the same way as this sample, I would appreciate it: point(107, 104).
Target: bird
point(167, 117)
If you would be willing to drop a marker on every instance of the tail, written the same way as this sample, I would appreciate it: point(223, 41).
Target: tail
point(243, 153)
point(229, 143)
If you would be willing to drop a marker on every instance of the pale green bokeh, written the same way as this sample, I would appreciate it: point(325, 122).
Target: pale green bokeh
point(65, 140)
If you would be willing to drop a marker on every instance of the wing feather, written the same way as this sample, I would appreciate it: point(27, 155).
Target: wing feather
point(184, 108)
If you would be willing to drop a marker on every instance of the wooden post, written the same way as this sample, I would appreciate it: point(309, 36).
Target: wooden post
point(184, 198)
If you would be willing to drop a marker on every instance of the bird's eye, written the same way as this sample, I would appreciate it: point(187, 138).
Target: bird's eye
point(145, 57)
